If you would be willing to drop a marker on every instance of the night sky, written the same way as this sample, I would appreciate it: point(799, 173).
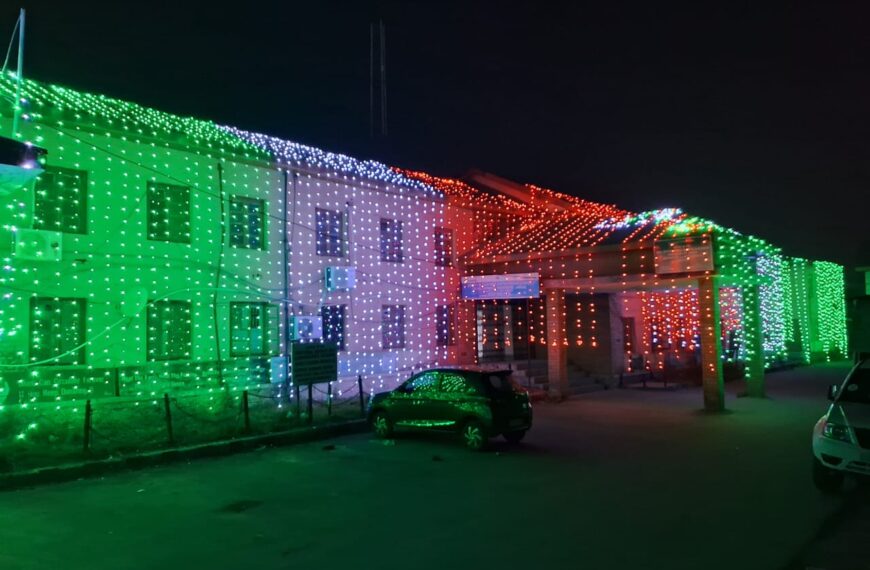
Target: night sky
point(756, 115)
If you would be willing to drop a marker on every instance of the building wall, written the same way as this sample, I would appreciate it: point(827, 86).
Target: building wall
point(116, 269)
point(418, 283)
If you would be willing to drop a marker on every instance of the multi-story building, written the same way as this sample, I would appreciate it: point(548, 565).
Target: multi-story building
point(160, 253)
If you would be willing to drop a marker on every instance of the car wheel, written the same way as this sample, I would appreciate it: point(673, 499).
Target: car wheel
point(826, 479)
point(381, 425)
point(514, 436)
point(474, 435)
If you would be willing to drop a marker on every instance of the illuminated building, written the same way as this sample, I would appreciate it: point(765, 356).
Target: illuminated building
point(159, 253)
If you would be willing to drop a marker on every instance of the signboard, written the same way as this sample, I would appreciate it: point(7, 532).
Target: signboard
point(505, 286)
point(313, 362)
point(685, 255)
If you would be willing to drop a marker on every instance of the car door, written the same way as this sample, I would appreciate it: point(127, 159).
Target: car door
point(415, 400)
point(460, 398)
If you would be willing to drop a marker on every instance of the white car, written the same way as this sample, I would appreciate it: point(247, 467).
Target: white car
point(841, 439)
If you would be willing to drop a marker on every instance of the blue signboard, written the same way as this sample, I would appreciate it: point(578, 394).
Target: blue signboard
point(507, 286)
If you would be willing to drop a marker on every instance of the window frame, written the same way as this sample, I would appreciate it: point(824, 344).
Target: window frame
point(60, 225)
point(79, 356)
point(167, 236)
point(445, 338)
point(324, 230)
point(271, 339)
point(391, 241)
point(186, 353)
point(342, 312)
point(245, 202)
point(387, 342)
point(443, 246)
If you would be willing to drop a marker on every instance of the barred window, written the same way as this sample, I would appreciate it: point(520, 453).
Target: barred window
point(169, 330)
point(247, 223)
point(330, 233)
point(443, 247)
point(393, 326)
point(391, 240)
point(61, 200)
point(333, 324)
point(168, 212)
point(446, 323)
point(254, 329)
point(57, 327)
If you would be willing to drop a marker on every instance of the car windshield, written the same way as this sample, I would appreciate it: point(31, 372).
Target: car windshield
point(857, 389)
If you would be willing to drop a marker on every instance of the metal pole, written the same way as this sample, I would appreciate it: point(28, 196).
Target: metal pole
point(310, 404)
point(88, 415)
point(168, 412)
point(528, 345)
point(362, 396)
point(383, 53)
point(247, 412)
point(285, 261)
point(19, 75)
point(329, 398)
point(298, 402)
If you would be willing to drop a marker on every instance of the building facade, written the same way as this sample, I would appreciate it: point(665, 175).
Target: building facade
point(160, 254)
point(163, 254)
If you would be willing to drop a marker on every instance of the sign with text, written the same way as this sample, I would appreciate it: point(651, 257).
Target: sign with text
point(506, 286)
point(313, 362)
point(686, 255)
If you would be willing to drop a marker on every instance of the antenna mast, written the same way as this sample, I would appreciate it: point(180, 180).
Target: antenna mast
point(19, 76)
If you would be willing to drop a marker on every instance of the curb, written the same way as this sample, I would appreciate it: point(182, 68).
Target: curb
point(88, 469)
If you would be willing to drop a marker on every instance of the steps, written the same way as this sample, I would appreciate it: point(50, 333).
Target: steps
point(533, 375)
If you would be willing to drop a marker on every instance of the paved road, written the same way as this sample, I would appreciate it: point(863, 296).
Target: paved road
point(617, 479)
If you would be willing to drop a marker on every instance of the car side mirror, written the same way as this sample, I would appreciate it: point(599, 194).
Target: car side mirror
point(832, 392)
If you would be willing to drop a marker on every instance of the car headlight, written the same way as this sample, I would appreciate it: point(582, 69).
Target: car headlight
point(838, 432)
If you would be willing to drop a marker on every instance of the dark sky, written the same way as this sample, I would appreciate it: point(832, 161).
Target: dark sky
point(754, 114)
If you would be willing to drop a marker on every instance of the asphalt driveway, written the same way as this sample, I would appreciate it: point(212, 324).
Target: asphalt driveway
point(616, 479)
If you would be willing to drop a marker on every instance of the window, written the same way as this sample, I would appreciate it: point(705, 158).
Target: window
point(500, 382)
point(61, 201)
point(443, 247)
point(425, 382)
point(446, 333)
point(168, 212)
point(169, 330)
point(454, 383)
point(393, 326)
point(254, 329)
point(391, 240)
point(330, 233)
point(57, 326)
point(333, 324)
point(247, 223)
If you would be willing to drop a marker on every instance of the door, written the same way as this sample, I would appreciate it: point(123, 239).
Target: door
point(460, 399)
point(413, 403)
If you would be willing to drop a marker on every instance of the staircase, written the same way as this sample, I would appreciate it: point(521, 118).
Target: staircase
point(534, 374)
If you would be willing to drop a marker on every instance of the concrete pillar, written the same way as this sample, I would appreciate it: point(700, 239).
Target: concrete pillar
point(711, 345)
point(753, 339)
point(557, 350)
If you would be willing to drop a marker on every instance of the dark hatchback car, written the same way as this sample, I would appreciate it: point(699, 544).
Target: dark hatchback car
point(474, 403)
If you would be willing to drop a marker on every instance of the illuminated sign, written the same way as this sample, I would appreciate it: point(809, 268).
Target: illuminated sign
point(508, 286)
